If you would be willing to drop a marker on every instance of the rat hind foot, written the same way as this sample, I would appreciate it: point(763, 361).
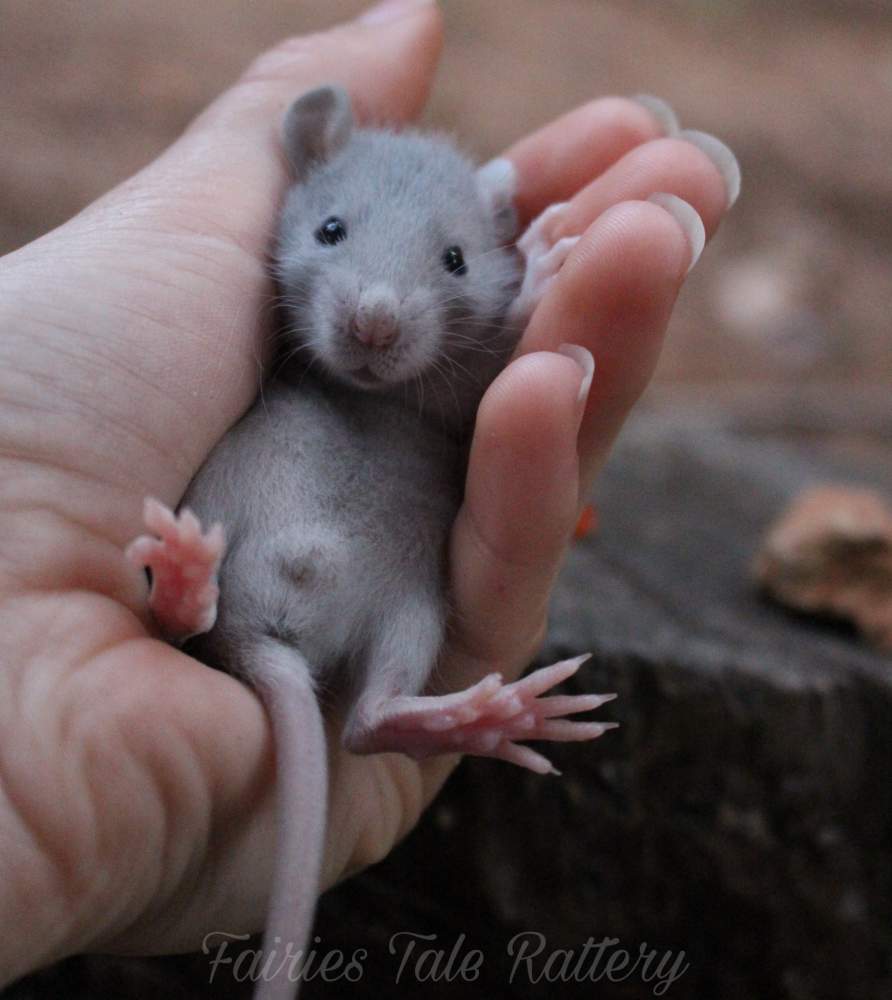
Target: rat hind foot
point(184, 562)
point(485, 720)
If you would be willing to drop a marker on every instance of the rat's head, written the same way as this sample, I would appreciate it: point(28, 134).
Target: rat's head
point(392, 255)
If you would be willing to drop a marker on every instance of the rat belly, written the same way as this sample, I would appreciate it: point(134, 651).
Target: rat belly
point(337, 517)
point(337, 510)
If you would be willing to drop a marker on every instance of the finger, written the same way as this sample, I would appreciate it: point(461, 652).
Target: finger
point(710, 181)
point(347, 54)
point(614, 295)
point(518, 513)
point(558, 160)
point(230, 154)
point(160, 289)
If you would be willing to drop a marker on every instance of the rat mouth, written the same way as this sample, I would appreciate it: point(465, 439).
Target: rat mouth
point(365, 376)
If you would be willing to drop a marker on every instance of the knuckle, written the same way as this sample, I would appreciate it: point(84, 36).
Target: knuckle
point(676, 157)
point(621, 117)
point(282, 60)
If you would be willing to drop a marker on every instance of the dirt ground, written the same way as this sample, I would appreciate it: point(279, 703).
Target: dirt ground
point(794, 294)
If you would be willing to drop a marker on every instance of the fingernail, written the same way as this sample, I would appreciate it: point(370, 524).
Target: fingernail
point(660, 111)
point(689, 220)
point(724, 160)
point(586, 362)
point(391, 10)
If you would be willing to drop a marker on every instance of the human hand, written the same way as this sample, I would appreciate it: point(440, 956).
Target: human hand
point(138, 796)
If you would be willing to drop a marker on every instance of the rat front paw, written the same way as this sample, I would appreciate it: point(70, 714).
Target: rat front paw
point(184, 562)
point(485, 720)
point(544, 257)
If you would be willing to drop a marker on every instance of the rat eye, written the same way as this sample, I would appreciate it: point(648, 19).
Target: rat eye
point(331, 231)
point(454, 261)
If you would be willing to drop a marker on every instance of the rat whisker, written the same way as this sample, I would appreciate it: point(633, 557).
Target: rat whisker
point(339, 498)
point(448, 382)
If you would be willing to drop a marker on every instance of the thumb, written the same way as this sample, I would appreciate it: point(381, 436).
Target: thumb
point(161, 283)
point(231, 153)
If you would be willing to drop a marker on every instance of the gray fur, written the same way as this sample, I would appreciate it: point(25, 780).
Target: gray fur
point(337, 505)
point(338, 493)
point(405, 199)
point(316, 126)
point(337, 496)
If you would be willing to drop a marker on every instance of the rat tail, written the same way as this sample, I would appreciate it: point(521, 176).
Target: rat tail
point(283, 680)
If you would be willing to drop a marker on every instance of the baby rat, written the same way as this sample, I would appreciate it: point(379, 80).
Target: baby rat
point(403, 298)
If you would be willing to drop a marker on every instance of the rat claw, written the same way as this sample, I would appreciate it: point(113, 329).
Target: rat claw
point(555, 257)
point(551, 213)
point(159, 518)
point(190, 526)
point(535, 233)
point(526, 757)
point(543, 262)
point(477, 695)
point(484, 719)
point(549, 264)
point(566, 731)
point(184, 562)
point(153, 509)
point(547, 677)
point(484, 691)
point(215, 539)
point(570, 704)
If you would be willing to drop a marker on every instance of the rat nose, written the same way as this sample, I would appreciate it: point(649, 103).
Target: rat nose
point(375, 322)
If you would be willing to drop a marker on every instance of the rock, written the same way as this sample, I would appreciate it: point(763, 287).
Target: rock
point(831, 554)
point(739, 820)
point(737, 826)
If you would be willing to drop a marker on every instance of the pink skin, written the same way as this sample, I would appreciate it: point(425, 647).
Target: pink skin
point(123, 826)
point(484, 720)
point(544, 258)
point(184, 561)
point(487, 718)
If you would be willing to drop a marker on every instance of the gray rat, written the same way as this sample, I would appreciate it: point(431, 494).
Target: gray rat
point(403, 297)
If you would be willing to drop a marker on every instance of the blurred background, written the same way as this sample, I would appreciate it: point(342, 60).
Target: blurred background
point(797, 284)
point(743, 813)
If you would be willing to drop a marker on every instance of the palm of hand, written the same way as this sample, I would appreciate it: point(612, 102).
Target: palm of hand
point(138, 792)
point(187, 748)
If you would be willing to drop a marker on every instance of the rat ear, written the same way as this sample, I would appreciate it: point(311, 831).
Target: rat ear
point(317, 126)
point(496, 185)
